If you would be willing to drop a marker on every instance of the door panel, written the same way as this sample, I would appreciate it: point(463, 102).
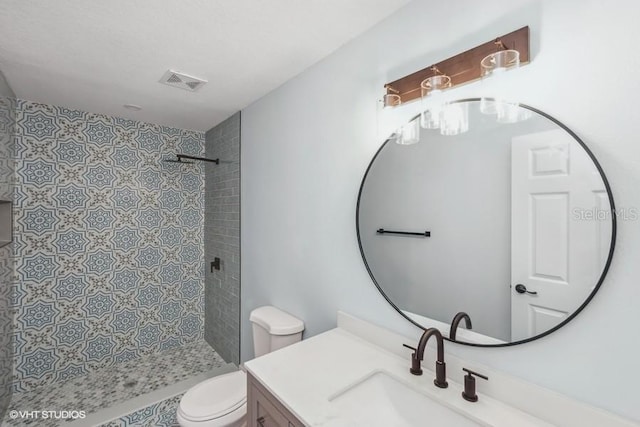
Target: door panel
point(542, 319)
point(549, 236)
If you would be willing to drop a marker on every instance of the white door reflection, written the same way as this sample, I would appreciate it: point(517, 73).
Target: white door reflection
point(555, 251)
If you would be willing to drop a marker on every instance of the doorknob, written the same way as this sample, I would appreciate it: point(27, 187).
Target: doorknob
point(522, 289)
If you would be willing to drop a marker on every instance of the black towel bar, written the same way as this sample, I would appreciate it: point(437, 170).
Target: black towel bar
point(405, 233)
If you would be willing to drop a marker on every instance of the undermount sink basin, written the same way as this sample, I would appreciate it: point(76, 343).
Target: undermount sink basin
point(380, 399)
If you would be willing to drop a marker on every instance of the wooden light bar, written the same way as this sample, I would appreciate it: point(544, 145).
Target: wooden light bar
point(463, 67)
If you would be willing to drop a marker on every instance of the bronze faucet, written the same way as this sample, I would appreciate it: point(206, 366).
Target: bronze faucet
point(418, 355)
point(456, 321)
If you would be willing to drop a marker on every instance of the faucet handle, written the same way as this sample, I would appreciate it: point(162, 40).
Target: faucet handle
point(469, 392)
point(415, 369)
point(409, 347)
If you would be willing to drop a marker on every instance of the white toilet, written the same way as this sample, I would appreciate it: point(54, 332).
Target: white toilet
point(222, 401)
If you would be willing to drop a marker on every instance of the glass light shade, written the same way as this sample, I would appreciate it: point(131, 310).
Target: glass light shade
point(511, 112)
point(488, 106)
point(435, 83)
point(493, 68)
point(431, 91)
point(455, 119)
point(500, 62)
point(409, 133)
point(430, 119)
point(390, 100)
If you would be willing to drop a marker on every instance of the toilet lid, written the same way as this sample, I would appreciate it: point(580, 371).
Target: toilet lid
point(215, 397)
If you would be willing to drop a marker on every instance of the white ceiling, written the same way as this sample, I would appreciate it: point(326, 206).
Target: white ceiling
point(96, 55)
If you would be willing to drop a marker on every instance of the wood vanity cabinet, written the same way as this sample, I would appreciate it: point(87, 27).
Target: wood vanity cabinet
point(264, 409)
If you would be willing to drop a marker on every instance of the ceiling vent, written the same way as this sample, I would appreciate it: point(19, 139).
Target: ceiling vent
point(182, 81)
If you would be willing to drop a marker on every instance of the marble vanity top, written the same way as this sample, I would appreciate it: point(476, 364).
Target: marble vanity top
point(306, 376)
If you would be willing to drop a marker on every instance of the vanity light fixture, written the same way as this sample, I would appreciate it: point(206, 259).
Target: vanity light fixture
point(437, 112)
point(502, 60)
point(463, 67)
point(391, 98)
point(493, 66)
point(431, 90)
point(492, 58)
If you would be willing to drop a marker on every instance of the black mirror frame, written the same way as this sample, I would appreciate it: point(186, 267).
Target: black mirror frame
point(614, 227)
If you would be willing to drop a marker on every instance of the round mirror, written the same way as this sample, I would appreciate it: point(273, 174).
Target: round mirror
point(496, 235)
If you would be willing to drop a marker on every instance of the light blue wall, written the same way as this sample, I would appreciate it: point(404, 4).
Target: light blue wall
point(108, 242)
point(306, 145)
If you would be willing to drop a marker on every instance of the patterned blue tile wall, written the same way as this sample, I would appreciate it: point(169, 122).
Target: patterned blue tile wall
point(109, 247)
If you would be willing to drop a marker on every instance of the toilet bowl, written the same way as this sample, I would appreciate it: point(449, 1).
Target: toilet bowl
point(217, 402)
point(222, 401)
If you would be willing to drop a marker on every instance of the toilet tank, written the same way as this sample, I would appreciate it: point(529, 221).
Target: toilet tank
point(274, 329)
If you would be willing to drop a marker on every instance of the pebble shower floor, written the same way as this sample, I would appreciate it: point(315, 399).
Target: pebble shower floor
point(109, 387)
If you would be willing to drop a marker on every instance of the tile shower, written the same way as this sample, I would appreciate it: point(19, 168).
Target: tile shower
point(109, 261)
point(222, 239)
point(108, 242)
point(7, 140)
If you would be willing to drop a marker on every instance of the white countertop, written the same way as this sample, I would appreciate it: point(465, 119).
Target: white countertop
point(305, 375)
